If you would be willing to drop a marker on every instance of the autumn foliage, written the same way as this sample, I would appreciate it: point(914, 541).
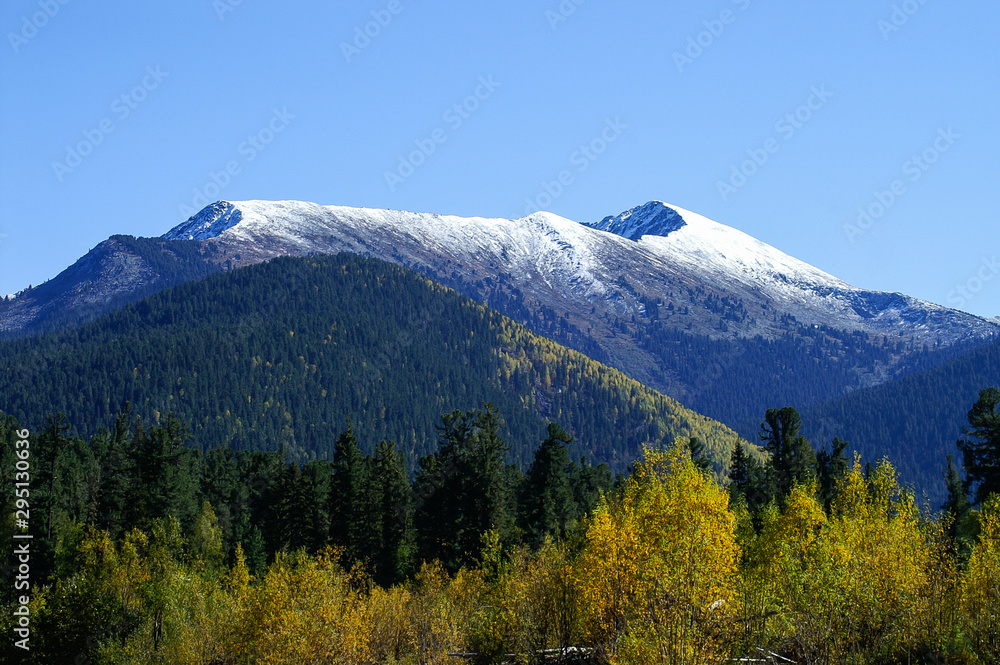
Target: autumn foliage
point(665, 570)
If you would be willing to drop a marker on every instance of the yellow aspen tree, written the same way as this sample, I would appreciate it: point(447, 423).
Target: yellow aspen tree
point(981, 586)
point(658, 569)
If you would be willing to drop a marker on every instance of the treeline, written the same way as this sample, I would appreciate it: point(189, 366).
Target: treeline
point(278, 355)
point(134, 477)
point(808, 556)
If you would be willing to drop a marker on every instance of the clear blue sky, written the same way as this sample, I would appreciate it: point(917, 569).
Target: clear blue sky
point(669, 98)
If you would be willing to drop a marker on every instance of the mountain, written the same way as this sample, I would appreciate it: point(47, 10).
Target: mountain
point(697, 310)
point(549, 253)
point(673, 299)
point(283, 354)
point(120, 270)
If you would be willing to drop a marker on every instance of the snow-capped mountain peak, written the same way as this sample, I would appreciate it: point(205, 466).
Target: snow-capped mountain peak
point(207, 223)
point(660, 250)
point(654, 219)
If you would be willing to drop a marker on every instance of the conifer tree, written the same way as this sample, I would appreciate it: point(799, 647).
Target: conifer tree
point(347, 510)
point(292, 507)
point(548, 505)
point(793, 459)
point(168, 481)
point(831, 467)
point(461, 491)
point(746, 480)
point(391, 521)
point(118, 474)
point(981, 452)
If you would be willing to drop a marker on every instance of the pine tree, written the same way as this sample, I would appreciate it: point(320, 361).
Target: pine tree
point(167, 478)
point(547, 505)
point(293, 506)
point(961, 520)
point(348, 521)
point(981, 452)
point(461, 491)
point(746, 480)
point(118, 473)
point(793, 459)
point(831, 468)
point(697, 450)
point(391, 522)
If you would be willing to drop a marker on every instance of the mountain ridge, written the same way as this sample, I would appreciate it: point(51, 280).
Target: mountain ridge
point(285, 353)
point(691, 241)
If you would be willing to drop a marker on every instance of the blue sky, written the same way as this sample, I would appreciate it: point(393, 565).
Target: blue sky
point(786, 120)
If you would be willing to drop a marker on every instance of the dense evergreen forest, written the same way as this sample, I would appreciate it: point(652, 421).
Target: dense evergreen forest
point(735, 380)
point(914, 420)
point(277, 356)
point(148, 551)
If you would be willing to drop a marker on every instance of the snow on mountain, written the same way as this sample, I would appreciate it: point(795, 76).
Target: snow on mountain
point(654, 218)
point(208, 223)
point(658, 250)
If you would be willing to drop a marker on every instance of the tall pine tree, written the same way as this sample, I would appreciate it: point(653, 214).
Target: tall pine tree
point(461, 491)
point(547, 505)
point(347, 509)
point(981, 452)
point(793, 459)
point(392, 545)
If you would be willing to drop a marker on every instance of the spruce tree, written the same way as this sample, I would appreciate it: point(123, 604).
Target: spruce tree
point(391, 516)
point(348, 523)
point(831, 467)
point(981, 452)
point(747, 480)
point(118, 472)
point(697, 451)
point(461, 491)
point(547, 505)
point(793, 459)
point(963, 525)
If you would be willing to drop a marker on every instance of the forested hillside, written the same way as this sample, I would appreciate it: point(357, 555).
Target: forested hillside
point(914, 421)
point(279, 356)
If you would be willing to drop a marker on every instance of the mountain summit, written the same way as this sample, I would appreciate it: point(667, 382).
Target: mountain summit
point(654, 219)
point(656, 248)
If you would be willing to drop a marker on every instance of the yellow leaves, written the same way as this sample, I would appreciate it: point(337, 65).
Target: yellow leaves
point(851, 583)
point(659, 562)
point(800, 522)
point(656, 576)
point(980, 593)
